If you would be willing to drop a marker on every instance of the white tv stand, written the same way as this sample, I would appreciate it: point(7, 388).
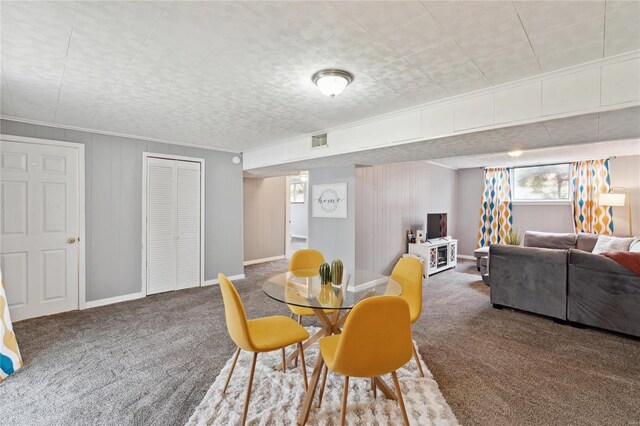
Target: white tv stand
point(439, 254)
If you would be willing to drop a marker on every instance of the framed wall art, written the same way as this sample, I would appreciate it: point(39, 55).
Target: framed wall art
point(329, 200)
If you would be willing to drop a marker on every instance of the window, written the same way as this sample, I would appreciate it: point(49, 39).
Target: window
point(296, 192)
point(541, 183)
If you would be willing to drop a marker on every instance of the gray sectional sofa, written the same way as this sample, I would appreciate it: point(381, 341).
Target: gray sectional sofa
point(556, 275)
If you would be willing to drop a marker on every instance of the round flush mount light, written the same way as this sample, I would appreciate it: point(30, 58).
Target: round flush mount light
point(235, 159)
point(331, 81)
point(515, 153)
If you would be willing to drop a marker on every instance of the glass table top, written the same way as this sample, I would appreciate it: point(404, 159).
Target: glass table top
point(303, 288)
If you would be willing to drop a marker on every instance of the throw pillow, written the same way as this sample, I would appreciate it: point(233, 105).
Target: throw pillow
point(608, 243)
point(635, 246)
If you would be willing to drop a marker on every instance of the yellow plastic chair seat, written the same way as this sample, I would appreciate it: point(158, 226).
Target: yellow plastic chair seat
point(299, 310)
point(328, 347)
point(272, 333)
point(408, 272)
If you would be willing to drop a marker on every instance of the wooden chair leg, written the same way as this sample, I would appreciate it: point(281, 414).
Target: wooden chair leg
point(248, 397)
point(324, 381)
point(405, 418)
point(284, 362)
point(374, 388)
point(233, 365)
point(300, 319)
point(417, 358)
point(291, 316)
point(304, 366)
point(345, 392)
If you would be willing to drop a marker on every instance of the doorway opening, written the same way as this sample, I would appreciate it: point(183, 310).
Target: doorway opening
point(298, 212)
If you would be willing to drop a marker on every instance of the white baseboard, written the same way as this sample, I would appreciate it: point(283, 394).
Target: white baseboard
point(112, 300)
point(266, 259)
point(464, 256)
point(216, 281)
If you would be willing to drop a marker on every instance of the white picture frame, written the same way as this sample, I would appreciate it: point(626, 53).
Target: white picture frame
point(329, 200)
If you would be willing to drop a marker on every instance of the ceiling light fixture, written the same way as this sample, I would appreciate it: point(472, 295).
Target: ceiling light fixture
point(515, 153)
point(332, 82)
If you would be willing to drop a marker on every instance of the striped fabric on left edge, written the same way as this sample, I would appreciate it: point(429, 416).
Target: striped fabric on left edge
point(10, 359)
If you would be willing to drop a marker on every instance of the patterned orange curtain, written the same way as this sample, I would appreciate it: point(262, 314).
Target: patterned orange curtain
point(588, 180)
point(495, 210)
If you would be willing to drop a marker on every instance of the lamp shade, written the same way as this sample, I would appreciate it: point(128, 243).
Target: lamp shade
point(611, 199)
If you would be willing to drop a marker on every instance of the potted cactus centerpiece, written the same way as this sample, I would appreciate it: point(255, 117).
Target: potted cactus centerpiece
point(325, 274)
point(336, 272)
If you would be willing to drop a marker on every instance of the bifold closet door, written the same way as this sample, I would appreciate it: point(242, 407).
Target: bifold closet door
point(188, 224)
point(173, 224)
point(161, 225)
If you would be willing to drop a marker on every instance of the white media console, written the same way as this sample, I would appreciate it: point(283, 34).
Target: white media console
point(438, 254)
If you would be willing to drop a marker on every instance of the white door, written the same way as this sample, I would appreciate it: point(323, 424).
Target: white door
point(188, 224)
point(161, 225)
point(173, 224)
point(40, 228)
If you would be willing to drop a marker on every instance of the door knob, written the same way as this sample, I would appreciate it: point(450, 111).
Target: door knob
point(71, 240)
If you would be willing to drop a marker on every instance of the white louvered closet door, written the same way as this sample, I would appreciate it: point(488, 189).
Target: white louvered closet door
point(173, 225)
point(188, 224)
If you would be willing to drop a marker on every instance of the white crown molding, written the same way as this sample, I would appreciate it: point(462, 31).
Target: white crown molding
point(486, 91)
point(116, 134)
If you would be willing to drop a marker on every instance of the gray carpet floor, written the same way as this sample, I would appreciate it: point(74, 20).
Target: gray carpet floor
point(151, 361)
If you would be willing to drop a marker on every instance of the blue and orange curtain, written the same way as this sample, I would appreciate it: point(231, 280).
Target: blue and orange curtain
point(588, 180)
point(10, 359)
point(495, 209)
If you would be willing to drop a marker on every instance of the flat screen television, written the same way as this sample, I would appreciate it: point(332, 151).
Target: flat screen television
point(436, 225)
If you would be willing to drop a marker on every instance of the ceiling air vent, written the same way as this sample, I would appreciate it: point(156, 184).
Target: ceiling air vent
point(318, 141)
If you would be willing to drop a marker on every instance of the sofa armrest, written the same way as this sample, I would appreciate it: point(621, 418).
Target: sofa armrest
point(528, 278)
point(602, 293)
point(597, 262)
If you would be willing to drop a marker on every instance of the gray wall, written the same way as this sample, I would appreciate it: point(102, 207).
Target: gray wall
point(469, 195)
point(625, 172)
point(264, 217)
point(113, 191)
point(390, 199)
point(335, 238)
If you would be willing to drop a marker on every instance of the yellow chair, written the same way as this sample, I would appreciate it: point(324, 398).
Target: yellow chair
point(376, 340)
point(305, 263)
point(408, 272)
point(258, 335)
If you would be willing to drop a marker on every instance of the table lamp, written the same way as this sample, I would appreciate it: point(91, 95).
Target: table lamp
point(616, 199)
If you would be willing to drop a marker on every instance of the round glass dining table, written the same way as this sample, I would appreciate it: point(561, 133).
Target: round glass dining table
point(331, 304)
point(303, 288)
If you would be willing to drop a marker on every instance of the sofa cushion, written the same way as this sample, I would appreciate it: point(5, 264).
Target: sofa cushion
point(610, 243)
point(549, 240)
point(586, 242)
point(635, 246)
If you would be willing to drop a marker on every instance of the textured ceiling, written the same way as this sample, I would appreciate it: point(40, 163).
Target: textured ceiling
point(236, 75)
point(487, 148)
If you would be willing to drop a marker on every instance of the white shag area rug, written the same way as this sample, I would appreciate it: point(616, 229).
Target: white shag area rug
point(276, 397)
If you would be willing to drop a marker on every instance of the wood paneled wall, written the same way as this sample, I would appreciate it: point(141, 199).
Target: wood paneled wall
point(264, 217)
point(392, 198)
